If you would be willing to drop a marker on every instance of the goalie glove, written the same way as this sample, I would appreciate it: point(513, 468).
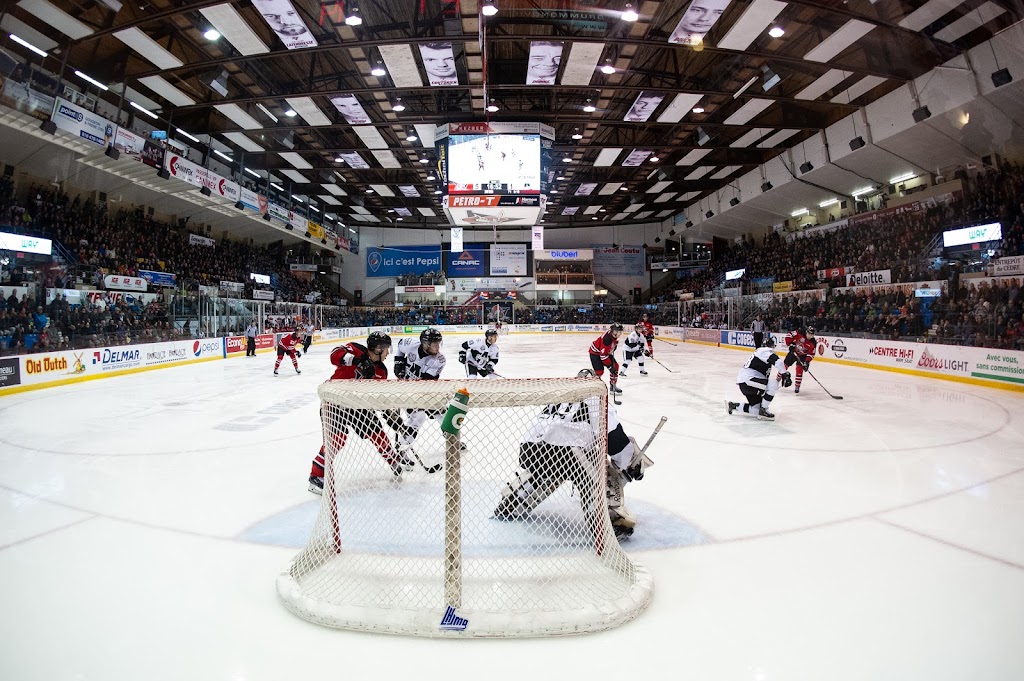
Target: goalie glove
point(462, 356)
point(786, 378)
point(638, 464)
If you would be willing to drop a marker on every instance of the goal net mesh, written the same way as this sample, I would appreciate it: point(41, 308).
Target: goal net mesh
point(509, 536)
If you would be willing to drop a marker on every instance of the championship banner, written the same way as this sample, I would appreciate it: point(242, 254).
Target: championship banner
point(196, 240)
point(538, 238)
point(456, 239)
point(159, 278)
point(82, 123)
point(125, 283)
point(508, 259)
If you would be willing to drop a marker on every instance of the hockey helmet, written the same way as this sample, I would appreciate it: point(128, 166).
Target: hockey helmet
point(769, 341)
point(586, 373)
point(430, 335)
point(615, 327)
point(378, 340)
point(639, 328)
point(810, 331)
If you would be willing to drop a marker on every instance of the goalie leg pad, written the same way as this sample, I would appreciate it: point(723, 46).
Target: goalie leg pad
point(523, 493)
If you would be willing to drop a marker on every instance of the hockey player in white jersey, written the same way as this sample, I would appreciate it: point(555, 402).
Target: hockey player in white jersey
point(480, 356)
point(755, 384)
point(558, 447)
point(420, 361)
point(635, 347)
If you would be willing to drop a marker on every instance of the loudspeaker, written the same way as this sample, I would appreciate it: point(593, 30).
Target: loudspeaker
point(806, 167)
point(112, 152)
point(921, 114)
point(357, 297)
point(767, 186)
point(734, 201)
point(862, 206)
point(1001, 77)
point(857, 143)
point(637, 296)
point(217, 81)
point(205, 191)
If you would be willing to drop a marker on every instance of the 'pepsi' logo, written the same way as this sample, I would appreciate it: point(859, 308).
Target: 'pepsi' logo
point(374, 261)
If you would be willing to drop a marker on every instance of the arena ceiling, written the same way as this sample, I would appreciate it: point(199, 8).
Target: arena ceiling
point(718, 104)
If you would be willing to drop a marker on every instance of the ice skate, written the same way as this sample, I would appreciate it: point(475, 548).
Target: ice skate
point(730, 407)
point(643, 372)
point(316, 484)
point(765, 415)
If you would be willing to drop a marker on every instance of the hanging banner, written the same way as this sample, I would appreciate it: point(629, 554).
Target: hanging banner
point(545, 57)
point(82, 123)
point(125, 283)
point(626, 260)
point(152, 154)
point(439, 63)
point(127, 142)
point(283, 20)
point(456, 239)
point(508, 259)
point(697, 20)
point(196, 175)
point(159, 278)
point(643, 107)
point(467, 262)
point(196, 240)
point(538, 238)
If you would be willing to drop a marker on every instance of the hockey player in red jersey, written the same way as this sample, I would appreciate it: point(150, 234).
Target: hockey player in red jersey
point(802, 346)
point(646, 329)
point(602, 355)
point(288, 345)
point(354, 361)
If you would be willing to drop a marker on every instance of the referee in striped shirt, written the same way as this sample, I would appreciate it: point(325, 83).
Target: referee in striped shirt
point(757, 326)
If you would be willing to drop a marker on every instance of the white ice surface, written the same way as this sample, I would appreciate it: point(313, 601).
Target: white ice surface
point(877, 537)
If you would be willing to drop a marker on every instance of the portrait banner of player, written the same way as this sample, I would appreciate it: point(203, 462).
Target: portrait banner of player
point(698, 18)
point(285, 21)
point(351, 110)
point(643, 107)
point(439, 63)
point(545, 57)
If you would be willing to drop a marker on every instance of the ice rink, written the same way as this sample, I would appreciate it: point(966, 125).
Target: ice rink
point(144, 520)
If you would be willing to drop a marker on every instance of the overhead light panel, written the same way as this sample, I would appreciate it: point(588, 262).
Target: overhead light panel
point(225, 156)
point(798, 213)
point(211, 34)
point(378, 70)
point(266, 111)
point(903, 178)
point(753, 79)
point(253, 173)
point(629, 14)
point(830, 202)
point(185, 134)
point(144, 110)
point(90, 79)
point(277, 186)
point(353, 17)
point(30, 46)
point(861, 192)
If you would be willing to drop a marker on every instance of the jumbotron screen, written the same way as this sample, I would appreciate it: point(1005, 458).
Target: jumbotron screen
point(494, 164)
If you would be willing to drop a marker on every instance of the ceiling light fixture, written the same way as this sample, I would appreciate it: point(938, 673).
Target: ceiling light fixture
point(378, 70)
point(654, 159)
point(290, 113)
point(437, 191)
point(144, 110)
point(567, 159)
point(252, 172)
point(489, 9)
point(424, 160)
point(223, 155)
point(492, 107)
point(560, 177)
point(431, 177)
point(607, 69)
point(589, 108)
point(630, 14)
point(753, 79)
point(698, 109)
point(266, 111)
point(777, 32)
point(412, 136)
point(576, 134)
point(398, 106)
point(188, 135)
point(27, 44)
point(369, 190)
point(92, 80)
point(354, 19)
point(211, 34)
point(277, 186)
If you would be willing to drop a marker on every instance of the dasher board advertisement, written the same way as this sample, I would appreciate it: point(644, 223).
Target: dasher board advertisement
point(83, 123)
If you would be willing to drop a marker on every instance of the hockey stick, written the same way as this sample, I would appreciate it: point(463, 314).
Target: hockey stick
point(664, 419)
point(834, 397)
point(662, 365)
point(430, 469)
point(665, 341)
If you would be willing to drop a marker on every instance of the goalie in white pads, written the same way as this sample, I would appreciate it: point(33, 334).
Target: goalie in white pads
point(480, 356)
point(635, 347)
point(558, 447)
point(755, 382)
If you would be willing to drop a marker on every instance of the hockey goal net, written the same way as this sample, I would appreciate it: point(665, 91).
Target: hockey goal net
point(508, 537)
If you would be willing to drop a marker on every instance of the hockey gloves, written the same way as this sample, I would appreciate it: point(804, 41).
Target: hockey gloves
point(786, 379)
point(462, 356)
point(648, 353)
point(401, 367)
point(365, 367)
